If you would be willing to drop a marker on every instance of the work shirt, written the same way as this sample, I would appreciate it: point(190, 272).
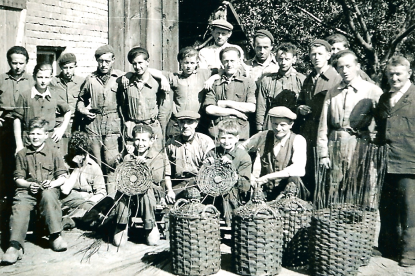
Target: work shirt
point(39, 165)
point(67, 91)
point(33, 104)
point(236, 88)
point(10, 89)
point(241, 163)
point(287, 155)
point(255, 69)
point(187, 157)
point(277, 90)
point(91, 178)
point(209, 56)
point(347, 108)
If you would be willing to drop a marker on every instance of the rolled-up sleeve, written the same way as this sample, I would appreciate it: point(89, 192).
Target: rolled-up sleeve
point(299, 157)
point(21, 166)
point(322, 132)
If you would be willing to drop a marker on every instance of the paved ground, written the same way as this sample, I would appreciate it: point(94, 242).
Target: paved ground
point(134, 259)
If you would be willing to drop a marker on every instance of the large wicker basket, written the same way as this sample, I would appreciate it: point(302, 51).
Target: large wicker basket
point(216, 179)
point(257, 239)
point(194, 238)
point(132, 178)
point(369, 234)
point(337, 240)
point(296, 217)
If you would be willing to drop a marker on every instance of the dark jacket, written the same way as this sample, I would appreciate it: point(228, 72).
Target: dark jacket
point(396, 129)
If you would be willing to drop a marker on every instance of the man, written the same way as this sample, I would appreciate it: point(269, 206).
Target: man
point(311, 99)
point(97, 103)
point(264, 60)
point(395, 116)
point(12, 83)
point(279, 89)
point(66, 86)
point(186, 153)
point(347, 112)
point(232, 96)
point(209, 56)
point(281, 154)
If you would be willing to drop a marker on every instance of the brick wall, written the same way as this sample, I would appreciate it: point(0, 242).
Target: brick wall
point(79, 25)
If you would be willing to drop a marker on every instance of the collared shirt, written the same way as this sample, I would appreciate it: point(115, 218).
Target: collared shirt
point(347, 107)
point(156, 161)
point(42, 106)
point(34, 92)
point(187, 157)
point(298, 159)
point(277, 90)
point(209, 56)
point(255, 69)
point(67, 91)
point(188, 92)
point(146, 103)
point(10, 89)
point(39, 165)
point(91, 178)
point(397, 94)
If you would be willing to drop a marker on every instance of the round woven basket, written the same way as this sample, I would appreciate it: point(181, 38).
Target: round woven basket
point(257, 239)
point(132, 178)
point(216, 179)
point(336, 239)
point(194, 238)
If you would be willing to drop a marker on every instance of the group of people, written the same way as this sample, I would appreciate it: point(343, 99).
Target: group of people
point(67, 134)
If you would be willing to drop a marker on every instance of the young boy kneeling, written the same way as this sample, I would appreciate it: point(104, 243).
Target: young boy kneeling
point(228, 152)
point(40, 171)
point(145, 204)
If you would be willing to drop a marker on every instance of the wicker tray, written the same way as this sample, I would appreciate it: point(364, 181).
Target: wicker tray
point(257, 239)
point(132, 178)
point(194, 238)
point(216, 179)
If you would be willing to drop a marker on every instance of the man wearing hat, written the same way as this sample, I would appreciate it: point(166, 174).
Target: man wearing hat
point(280, 88)
point(97, 103)
point(264, 60)
point(186, 153)
point(66, 86)
point(281, 154)
point(311, 99)
point(209, 56)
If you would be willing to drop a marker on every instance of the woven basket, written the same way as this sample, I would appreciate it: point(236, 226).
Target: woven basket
point(368, 234)
point(336, 240)
point(194, 238)
point(257, 239)
point(132, 178)
point(216, 179)
point(296, 217)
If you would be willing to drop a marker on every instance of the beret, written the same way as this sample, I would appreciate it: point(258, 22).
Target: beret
point(264, 33)
point(66, 58)
point(322, 43)
point(282, 112)
point(104, 50)
point(187, 114)
point(223, 24)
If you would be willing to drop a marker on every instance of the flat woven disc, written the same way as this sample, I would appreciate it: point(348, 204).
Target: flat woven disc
point(216, 179)
point(132, 178)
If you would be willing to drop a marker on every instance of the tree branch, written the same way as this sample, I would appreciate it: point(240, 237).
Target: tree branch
point(315, 18)
point(395, 42)
point(361, 21)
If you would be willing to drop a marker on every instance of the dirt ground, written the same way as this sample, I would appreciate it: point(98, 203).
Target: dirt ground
point(134, 259)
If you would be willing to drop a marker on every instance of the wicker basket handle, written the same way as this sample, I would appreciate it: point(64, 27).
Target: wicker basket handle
point(179, 203)
point(210, 206)
point(266, 208)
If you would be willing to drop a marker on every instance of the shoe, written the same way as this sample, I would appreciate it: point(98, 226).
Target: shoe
point(153, 236)
point(68, 223)
point(120, 237)
point(12, 255)
point(406, 262)
point(59, 244)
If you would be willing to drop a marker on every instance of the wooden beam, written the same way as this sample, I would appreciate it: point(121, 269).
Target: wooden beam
point(154, 33)
point(170, 35)
point(116, 31)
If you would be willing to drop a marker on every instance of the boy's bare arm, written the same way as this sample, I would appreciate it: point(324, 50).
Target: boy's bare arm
point(17, 129)
point(60, 131)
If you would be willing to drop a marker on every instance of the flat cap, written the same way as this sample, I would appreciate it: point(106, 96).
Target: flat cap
point(321, 42)
point(264, 33)
point(104, 49)
point(282, 112)
point(187, 114)
point(67, 58)
point(223, 24)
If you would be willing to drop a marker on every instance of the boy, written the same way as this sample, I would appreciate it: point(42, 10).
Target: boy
point(40, 171)
point(39, 102)
point(241, 162)
point(85, 186)
point(145, 204)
